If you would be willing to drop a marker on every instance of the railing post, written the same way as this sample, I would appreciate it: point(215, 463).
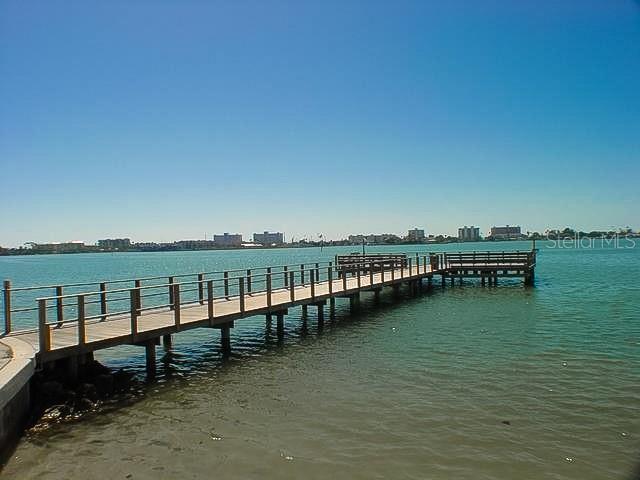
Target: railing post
point(249, 281)
point(210, 299)
point(43, 328)
point(371, 274)
point(344, 281)
point(302, 274)
point(241, 293)
point(176, 304)
point(292, 286)
point(402, 267)
point(382, 272)
point(226, 285)
point(330, 278)
point(103, 301)
point(393, 272)
point(59, 306)
point(417, 264)
point(171, 302)
point(317, 272)
point(138, 284)
point(133, 304)
point(286, 276)
point(410, 267)
point(269, 289)
point(201, 288)
point(358, 276)
point(82, 337)
point(312, 276)
point(424, 264)
point(7, 306)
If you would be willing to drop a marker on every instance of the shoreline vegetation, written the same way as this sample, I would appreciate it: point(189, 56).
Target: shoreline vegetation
point(566, 234)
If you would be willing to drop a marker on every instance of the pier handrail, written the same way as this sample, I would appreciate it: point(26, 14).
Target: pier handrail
point(135, 307)
point(105, 303)
point(224, 285)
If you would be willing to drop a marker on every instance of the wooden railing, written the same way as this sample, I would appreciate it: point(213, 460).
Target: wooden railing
point(235, 288)
point(513, 259)
point(56, 305)
point(350, 264)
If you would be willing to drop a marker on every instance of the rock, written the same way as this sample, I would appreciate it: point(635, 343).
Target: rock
point(68, 396)
point(104, 384)
point(121, 380)
point(506, 422)
point(89, 391)
point(52, 389)
point(95, 368)
point(55, 413)
point(84, 404)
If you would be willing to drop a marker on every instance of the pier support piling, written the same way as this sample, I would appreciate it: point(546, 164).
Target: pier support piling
point(88, 358)
point(225, 338)
point(529, 278)
point(280, 323)
point(72, 368)
point(320, 314)
point(354, 302)
point(150, 350)
point(167, 341)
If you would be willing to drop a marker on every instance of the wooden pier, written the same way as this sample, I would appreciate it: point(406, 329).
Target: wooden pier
point(75, 320)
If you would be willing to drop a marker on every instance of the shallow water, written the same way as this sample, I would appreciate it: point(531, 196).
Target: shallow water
point(411, 388)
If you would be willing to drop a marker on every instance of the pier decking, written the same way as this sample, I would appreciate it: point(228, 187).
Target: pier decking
point(141, 311)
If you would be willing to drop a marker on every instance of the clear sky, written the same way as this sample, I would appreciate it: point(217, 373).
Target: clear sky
point(161, 120)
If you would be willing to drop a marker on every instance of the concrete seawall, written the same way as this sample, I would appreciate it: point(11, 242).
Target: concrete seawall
point(16, 369)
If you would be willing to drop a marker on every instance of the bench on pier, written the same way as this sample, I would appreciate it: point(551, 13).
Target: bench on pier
point(351, 264)
point(485, 262)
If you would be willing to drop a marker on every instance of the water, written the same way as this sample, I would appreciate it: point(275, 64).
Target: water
point(411, 388)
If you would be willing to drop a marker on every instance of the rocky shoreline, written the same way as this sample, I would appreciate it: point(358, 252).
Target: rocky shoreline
point(58, 398)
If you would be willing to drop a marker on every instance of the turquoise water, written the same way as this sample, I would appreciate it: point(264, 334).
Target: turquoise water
point(410, 388)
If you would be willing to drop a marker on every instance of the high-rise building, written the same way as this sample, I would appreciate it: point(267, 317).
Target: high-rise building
point(115, 244)
point(269, 238)
point(228, 240)
point(416, 235)
point(505, 233)
point(469, 234)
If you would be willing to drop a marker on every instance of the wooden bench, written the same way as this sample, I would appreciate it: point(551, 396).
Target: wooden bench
point(355, 262)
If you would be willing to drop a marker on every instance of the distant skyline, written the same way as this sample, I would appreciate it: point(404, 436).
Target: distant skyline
point(162, 121)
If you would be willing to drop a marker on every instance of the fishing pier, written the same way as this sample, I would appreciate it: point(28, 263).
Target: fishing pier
point(74, 320)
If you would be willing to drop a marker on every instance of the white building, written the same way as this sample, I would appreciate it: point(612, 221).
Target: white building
point(269, 238)
point(469, 234)
point(416, 235)
point(228, 240)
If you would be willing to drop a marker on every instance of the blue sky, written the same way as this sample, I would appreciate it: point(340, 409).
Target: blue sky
point(171, 120)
